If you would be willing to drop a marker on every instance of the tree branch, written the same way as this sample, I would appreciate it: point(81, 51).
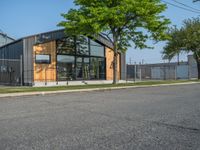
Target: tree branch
point(107, 36)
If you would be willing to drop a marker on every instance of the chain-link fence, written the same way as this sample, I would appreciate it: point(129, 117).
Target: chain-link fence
point(11, 73)
point(165, 71)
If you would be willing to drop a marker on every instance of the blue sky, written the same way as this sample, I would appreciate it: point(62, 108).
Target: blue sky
point(25, 17)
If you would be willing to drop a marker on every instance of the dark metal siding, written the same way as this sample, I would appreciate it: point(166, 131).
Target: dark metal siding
point(12, 51)
point(10, 63)
point(50, 36)
point(28, 60)
point(10, 72)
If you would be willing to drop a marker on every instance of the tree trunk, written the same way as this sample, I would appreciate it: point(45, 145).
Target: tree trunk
point(115, 79)
point(197, 58)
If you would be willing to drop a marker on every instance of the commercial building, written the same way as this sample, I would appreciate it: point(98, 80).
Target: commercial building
point(53, 57)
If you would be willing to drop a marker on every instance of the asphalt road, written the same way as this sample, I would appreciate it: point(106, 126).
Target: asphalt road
point(143, 118)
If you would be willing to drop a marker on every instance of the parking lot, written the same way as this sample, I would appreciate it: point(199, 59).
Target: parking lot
point(139, 118)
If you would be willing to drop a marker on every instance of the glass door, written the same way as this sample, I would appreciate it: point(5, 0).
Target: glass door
point(65, 67)
point(97, 68)
point(82, 68)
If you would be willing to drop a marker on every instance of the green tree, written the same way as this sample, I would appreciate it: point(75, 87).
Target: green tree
point(186, 39)
point(174, 44)
point(120, 21)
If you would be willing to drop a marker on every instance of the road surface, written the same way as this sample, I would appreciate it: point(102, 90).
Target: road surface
point(142, 118)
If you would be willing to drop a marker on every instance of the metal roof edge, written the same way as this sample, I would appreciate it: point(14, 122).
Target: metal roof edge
point(11, 43)
point(106, 43)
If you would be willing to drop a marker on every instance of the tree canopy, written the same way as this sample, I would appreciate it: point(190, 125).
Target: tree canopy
point(185, 39)
point(174, 44)
point(120, 21)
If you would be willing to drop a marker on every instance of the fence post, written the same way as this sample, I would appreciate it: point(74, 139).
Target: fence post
point(135, 71)
point(188, 71)
point(10, 75)
point(67, 79)
point(56, 76)
point(126, 74)
point(45, 76)
point(21, 70)
point(175, 72)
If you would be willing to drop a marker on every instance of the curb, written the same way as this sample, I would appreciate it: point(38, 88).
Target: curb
point(89, 90)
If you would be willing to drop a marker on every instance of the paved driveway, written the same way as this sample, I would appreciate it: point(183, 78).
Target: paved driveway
point(144, 118)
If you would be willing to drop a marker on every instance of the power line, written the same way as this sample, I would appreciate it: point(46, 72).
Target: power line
point(180, 7)
point(186, 5)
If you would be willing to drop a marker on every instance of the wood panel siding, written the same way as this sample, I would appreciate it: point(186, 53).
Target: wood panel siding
point(45, 72)
point(109, 64)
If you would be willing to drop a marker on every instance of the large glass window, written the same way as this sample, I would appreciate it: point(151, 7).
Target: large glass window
point(82, 45)
point(84, 62)
point(66, 46)
point(96, 49)
point(65, 67)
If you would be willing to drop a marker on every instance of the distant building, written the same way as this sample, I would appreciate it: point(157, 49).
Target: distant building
point(4, 39)
point(159, 71)
point(164, 71)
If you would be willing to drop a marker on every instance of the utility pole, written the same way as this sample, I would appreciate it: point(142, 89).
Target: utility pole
point(142, 61)
point(130, 60)
point(21, 70)
point(140, 70)
point(178, 58)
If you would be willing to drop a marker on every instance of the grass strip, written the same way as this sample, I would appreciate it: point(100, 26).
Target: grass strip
point(5, 89)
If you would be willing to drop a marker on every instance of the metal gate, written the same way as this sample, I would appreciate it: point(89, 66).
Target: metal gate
point(10, 71)
point(182, 72)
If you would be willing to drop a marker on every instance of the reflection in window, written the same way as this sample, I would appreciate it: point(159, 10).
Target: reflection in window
point(96, 49)
point(82, 45)
point(82, 68)
point(66, 46)
point(65, 67)
point(42, 59)
point(97, 68)
point(76, 63)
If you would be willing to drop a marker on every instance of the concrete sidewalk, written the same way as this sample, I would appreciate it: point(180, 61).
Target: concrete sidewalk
point(84, 82)
point(88, 90)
